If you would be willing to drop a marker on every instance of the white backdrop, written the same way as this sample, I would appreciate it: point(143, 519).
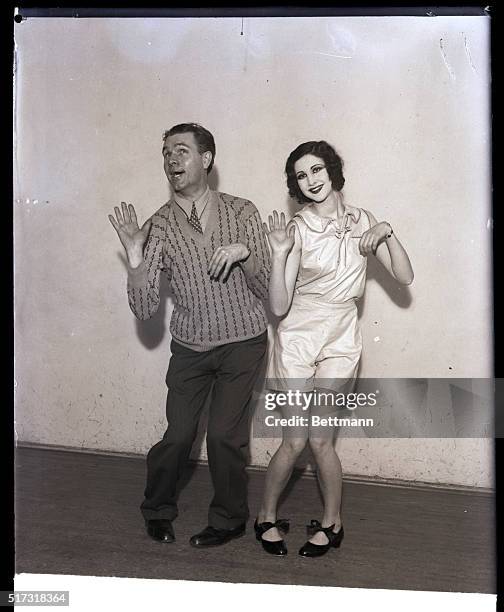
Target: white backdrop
point(404, 100)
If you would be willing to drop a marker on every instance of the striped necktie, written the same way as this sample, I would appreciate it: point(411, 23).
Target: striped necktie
point(194, 219)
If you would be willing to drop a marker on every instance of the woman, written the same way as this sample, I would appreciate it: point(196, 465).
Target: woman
point(318, 272)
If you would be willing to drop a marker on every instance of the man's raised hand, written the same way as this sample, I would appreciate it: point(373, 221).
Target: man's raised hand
point(131, 236)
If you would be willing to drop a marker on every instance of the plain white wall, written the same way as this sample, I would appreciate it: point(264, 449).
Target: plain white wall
point(404, 100)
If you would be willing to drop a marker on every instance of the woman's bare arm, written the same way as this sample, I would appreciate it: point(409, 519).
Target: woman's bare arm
point(394, 257)
point(285, 246)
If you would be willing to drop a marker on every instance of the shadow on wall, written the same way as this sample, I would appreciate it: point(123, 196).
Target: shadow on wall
point(292, 206)
point(399, 294)
point(213, 179)
point(152, 331)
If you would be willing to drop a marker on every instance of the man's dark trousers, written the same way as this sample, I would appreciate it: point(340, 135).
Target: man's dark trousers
point(229, 372)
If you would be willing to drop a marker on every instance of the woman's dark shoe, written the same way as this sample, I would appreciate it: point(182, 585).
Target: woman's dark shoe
point(317, 550)
point(273, 548)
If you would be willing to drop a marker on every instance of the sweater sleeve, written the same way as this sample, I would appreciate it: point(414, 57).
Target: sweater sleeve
point(257, 266)
point(143, 281)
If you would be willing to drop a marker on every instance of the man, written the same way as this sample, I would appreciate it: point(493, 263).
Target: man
point(212, 247)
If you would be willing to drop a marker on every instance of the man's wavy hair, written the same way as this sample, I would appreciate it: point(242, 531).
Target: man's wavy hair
point(203, 137)
point(332, 162)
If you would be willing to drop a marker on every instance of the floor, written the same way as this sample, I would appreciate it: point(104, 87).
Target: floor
point(77, 513)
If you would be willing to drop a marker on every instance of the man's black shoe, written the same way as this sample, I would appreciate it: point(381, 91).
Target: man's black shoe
point(211, 536)
point(160, 530)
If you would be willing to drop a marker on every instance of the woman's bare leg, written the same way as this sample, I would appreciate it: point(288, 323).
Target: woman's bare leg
point(330, 479)
point(277, 476)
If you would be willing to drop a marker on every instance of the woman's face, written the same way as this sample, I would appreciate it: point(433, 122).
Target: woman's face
point(312, 177)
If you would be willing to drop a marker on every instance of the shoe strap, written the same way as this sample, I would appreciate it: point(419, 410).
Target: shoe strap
point(315, 526)
point(281, 524)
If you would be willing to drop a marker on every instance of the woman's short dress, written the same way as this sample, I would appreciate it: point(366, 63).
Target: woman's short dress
point(318, 344)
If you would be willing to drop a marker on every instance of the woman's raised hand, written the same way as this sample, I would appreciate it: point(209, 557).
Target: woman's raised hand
point(281, 240)
point(131, 236)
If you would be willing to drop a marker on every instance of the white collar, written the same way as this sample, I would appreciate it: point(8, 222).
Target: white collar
point(319, 224)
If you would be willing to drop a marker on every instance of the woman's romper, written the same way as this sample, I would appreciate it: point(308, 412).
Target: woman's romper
point(318, 344)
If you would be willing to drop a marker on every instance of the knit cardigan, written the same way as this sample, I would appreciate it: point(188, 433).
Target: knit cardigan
point(207, 313)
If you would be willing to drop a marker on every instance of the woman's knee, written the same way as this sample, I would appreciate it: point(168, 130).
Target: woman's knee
point(294, 446)
point(321, 446)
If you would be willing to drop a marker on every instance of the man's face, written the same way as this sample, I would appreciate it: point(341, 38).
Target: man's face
point(184, 165)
